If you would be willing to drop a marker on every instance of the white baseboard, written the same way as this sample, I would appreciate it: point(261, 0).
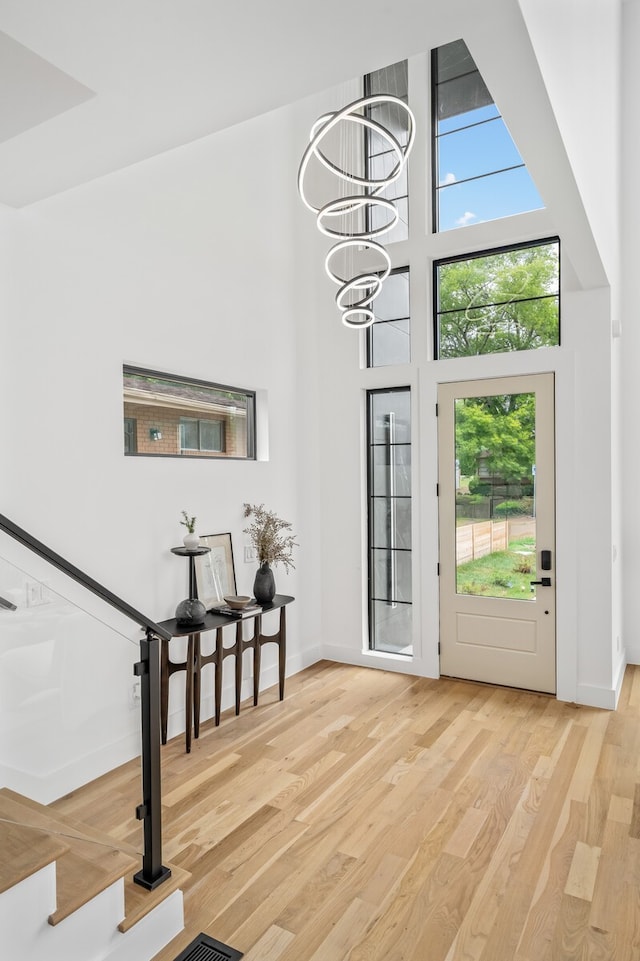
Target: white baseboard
point(592, 696)
point(633, 654)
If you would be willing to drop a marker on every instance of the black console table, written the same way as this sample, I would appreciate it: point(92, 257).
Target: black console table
point(195, 660)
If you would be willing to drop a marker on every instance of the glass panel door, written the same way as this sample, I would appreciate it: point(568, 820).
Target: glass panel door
point(495, 513)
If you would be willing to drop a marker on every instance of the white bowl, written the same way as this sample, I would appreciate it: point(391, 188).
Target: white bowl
point(237, 602)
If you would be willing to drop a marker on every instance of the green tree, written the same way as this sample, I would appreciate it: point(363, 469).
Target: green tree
point(501, 430)
point(500, 302)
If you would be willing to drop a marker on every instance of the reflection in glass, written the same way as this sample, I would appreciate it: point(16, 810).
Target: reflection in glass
point(169, 416)
point(388, 337)
point(59, 724)
point(394, 80)
point(390, 588)
point(495, 496)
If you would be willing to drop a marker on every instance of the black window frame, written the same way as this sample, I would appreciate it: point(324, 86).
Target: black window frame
point(478, 255)
point(371, 599)
point(250, 395)
point(435, 171)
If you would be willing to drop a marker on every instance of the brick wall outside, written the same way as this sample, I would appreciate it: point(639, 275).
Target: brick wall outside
point(167, 422)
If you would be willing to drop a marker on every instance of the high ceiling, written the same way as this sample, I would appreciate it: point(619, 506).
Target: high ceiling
point(91, 86)
point(88, 87)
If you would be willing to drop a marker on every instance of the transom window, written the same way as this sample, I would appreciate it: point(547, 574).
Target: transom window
point(488, 303)
point(478, 172)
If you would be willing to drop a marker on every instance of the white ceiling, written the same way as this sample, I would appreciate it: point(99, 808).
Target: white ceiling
point(90, 86)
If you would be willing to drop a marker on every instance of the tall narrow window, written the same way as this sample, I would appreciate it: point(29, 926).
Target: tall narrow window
point(388, 337)
point(380, 158)
point(505, 300)
point(389, 446)
point(478, 172)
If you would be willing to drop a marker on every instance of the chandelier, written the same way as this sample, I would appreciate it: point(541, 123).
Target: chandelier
point(334, 163)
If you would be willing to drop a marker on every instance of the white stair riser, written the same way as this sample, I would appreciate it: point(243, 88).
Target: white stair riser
point(90, 933)
point(24, 910)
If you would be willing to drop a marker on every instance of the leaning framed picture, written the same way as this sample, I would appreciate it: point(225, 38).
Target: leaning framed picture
point(215, 573)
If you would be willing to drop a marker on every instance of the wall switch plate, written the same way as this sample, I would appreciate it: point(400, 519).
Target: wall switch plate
point(249, 555)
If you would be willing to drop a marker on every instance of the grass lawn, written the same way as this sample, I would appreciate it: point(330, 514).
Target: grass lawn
point(502, 574)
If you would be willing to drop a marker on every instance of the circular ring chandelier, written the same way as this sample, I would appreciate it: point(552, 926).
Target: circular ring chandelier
point(348, 219)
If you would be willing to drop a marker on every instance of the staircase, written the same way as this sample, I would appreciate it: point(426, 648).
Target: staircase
point(67, 894)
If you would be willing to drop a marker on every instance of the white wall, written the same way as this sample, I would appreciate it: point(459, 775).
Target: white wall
point(182, 264)
point(578, 46)
point(203, 262)
point(630, 339)
point(587, 669)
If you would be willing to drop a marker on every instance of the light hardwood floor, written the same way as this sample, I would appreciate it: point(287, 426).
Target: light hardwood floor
point(373, 816)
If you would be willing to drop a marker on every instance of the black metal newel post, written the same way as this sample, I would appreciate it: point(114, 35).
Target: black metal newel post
point(147, 669)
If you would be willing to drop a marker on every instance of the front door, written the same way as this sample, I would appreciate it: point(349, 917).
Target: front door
point(497, 531)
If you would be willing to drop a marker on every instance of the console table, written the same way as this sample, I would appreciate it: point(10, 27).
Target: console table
point(196, 660)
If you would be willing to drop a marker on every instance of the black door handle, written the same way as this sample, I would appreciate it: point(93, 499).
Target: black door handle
point(545, 582)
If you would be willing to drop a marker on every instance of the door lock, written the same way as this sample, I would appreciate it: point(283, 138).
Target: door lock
point(544, 582)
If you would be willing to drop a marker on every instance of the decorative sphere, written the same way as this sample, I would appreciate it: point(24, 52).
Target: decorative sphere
point(190, 612)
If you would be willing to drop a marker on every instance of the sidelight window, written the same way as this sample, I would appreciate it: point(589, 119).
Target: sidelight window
point(389, 520)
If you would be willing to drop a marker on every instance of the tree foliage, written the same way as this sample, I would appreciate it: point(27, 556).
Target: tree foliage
point(500, 302)
point(501, 429)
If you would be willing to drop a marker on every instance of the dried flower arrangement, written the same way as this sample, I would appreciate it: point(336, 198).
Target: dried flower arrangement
point(267, 533)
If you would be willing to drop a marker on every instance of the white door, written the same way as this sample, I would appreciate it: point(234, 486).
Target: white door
point(497, 531)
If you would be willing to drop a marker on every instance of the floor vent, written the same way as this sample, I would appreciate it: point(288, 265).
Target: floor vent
point(205, 948)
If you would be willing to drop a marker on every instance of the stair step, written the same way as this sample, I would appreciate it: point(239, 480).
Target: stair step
point(25, 851)
point(138, 901)
point(86, 867)
point(87, 860)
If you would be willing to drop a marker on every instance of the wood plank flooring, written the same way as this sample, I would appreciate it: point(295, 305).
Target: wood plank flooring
point(372, 816)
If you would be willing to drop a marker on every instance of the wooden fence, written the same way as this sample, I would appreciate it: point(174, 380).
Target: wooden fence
point(487, 537)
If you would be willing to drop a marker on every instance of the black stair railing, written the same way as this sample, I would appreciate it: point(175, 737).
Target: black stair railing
point(153, 872)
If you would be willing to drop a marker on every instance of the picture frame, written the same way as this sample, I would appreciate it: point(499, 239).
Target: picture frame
point(215, 570)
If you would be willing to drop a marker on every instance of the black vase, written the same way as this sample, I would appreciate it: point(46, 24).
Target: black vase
point(264, 586)
point(190, 613)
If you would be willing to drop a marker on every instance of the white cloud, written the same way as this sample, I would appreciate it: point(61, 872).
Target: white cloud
point(449, 178)
point(466, 218)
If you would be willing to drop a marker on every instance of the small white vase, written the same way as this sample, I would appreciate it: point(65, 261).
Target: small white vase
point(190, 541)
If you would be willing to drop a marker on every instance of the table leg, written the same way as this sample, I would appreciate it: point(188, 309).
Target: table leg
point(218, 675)
point(197, 674)
point(164, 688)
point(282, 649)
point(188, 712)
point(257, 651)
point(238, 664)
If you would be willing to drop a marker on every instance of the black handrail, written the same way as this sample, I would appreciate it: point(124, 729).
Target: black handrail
point(19, 534)
point(153, 871)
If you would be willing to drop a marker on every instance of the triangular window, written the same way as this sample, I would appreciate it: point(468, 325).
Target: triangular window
point(478, 173)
